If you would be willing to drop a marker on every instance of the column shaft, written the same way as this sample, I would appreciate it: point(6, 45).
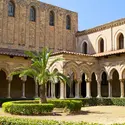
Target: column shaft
point(109, 89)
point(77, 90)
point(99, 89)
point(122, 88)
point(62, 90)
point(88, 89)
point(23, 90)
point(9, 87)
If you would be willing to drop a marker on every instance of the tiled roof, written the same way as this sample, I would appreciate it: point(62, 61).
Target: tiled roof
point(102, 27)
point(109, 53)
point(20, 53)
point(12, 52)
point(70, 53)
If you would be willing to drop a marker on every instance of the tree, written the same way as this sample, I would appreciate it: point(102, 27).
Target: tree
point(39, 70)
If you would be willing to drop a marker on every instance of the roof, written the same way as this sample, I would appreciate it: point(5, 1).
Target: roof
point(102, 27)
point(71, 53)
point(20, 53)
point(12, 52)
point(109, 53)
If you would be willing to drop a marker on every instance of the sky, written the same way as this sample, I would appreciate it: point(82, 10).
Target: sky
point(92, 13)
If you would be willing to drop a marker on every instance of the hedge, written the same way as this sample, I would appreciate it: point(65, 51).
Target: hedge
point(35, 108)
point(27, 109)
point(22, 121)
point(101, 101)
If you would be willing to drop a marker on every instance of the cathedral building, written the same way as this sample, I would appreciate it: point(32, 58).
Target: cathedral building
point(93, 59)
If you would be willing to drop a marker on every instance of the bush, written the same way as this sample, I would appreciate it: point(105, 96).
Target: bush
point(102, 101)
point(71, 105)
point(27, 108)
point(22, 121)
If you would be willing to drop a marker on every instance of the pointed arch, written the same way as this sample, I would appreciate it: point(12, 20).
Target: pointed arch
point(68, 22)
point(32, 13)
point(51, 18)
point(120, 41)
point(11, 9)
point(85, 48)
point(101, 45)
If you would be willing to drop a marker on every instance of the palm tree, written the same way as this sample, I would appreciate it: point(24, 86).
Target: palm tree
point(39, 70)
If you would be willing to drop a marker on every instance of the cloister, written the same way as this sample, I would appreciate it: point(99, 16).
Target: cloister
point(89, 77)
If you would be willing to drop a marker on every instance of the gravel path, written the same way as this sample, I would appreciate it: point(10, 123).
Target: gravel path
point(97, 114)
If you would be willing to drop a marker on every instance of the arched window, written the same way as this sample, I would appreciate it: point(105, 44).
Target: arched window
point(121, 41)
point(68, 22)
point(51, 18)
point(84, 48)
point(32, 14)
point(101, 45)
point(11, 9)
point(104, 79)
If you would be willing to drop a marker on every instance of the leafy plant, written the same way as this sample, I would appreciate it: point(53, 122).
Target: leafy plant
point(39, 70)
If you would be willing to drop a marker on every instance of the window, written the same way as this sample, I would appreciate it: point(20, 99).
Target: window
point(11, 9)
point(101, 45)
point(68, 22)
point(32, 14)
point(121, 41)
point(85, 48)
point(51, 18)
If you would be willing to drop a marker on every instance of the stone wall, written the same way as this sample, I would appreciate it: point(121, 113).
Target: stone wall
point(19, 33)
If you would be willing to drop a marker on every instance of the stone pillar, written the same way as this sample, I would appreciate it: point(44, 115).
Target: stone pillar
point(9, 87)
point(23, 86)
point(109, 88)
point(62, 90)
point(122, 88)
point(88, 89)
point(98, 89)
point(36, 90)
point(77, 90)
point(71, 89)
point(53, 90)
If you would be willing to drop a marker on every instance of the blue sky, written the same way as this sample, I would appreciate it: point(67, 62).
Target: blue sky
point(93, 12)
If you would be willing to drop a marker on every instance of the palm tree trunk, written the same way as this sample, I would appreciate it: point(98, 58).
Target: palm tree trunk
point(42, 94)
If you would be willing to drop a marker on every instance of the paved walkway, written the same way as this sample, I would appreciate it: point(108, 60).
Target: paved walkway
point(97, 114)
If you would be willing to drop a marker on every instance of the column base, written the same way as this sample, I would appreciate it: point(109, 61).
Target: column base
point(77, 97)
point(61, 98)
point(88, 97)
point(99, 96)
point(9, 97)
point(23, 97)
point(109, 97)
point(122, 97)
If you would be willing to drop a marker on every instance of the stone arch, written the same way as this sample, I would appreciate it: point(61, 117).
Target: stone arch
point(72, 67)
point(97, 43)
point(81, 46)
point(114, 76)
point(116, 36)
point(111, 71)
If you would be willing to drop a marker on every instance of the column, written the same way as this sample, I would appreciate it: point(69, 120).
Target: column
point(109, 88)
point(36, 90)
point(53, 90)
point(98, 89)
point(9, 87)
point(122, 88)
point(62, 90)
point(77, 89)
point(23, 86)
point(88, 89)
point(71, 89)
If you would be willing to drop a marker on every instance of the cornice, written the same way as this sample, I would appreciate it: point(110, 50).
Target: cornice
point(102, 27)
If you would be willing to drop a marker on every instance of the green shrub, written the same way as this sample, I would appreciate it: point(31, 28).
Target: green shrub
point(71, 105)
point(22, 121)
point(27, 108)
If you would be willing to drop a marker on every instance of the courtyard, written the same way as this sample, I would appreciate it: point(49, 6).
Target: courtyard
point(95, 114)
